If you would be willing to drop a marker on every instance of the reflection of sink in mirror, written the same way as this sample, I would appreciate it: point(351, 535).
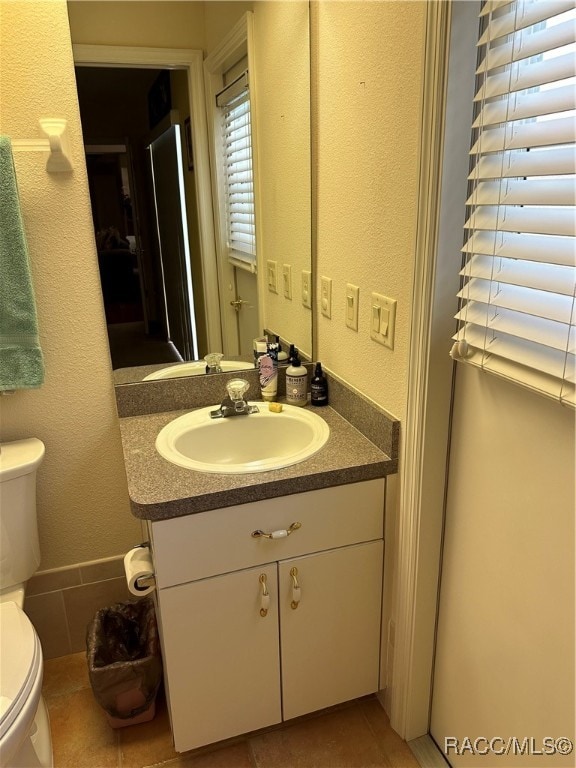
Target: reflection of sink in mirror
point(242, 444)
point(196, 368)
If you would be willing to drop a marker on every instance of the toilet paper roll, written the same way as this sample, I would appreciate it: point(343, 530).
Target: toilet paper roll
point(139, 571)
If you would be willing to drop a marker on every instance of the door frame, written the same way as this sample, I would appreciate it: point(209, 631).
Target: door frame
point(191, 61)
point(419, 528)
point(175, 261)
point(450, 31)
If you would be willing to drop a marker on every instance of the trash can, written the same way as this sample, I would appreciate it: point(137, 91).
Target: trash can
point(124, 664)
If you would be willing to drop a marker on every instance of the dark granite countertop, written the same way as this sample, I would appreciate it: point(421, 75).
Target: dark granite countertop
point(160, 490)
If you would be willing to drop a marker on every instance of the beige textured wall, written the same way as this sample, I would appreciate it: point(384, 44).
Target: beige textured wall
point(369, 59)
point(159, 24)
point(82, 498)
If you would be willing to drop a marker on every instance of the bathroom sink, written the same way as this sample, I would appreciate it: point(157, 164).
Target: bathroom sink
point(196, 368)
point(257, 442)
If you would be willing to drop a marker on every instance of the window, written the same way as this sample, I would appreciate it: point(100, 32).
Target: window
point(234, 102)
point(517, 315)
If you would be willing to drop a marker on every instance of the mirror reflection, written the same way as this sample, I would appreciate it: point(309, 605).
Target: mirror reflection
point(192, 262)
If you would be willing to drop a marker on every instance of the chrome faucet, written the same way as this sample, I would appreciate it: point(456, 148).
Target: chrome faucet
point(234, 404)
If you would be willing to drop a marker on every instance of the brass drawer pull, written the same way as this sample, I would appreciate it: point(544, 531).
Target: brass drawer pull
point(264, 597)
point(296, 593)
point(281, 534)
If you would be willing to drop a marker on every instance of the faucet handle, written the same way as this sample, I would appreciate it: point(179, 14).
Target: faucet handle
point(236, 389)
point(212, 360)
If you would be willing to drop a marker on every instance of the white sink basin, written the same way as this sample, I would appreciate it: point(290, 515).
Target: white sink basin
point(196, 368)
point(257, 442)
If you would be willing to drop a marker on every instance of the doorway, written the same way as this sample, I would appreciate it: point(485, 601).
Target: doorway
point(189, 64)
point(124, 113)
point(495, 667)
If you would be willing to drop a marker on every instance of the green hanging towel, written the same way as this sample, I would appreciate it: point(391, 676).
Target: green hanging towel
point(21, 363)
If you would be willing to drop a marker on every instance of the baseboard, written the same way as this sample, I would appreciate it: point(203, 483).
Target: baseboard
point(427, 753)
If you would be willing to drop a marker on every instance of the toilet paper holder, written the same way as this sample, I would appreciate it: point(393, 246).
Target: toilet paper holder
point(143, 582)
point(139, 570)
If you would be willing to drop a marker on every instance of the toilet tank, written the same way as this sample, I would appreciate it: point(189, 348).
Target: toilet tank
point(19, 548)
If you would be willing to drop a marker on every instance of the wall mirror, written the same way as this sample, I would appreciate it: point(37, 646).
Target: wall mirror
point(170, 295)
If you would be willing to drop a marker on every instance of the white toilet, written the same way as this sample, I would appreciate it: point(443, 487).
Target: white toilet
point(25, 740)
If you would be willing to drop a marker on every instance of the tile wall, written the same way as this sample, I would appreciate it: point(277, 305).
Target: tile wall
point(62, 602)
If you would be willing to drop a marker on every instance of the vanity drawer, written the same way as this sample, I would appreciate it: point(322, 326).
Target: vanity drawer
point(220, 541)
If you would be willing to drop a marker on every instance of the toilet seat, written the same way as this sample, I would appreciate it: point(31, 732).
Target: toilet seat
point(20, 677)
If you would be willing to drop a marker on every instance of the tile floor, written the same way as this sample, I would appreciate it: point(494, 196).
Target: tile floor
point(355, 735)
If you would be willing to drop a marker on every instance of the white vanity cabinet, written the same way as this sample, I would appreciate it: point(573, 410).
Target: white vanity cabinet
point(257, 630)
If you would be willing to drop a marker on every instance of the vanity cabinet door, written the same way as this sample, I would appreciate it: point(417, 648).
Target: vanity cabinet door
point(221, 656)
point(330, 626)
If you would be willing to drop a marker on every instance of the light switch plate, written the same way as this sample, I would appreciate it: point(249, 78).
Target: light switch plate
point(352, 292)
point(287, 280)
point(326, 296)
point(307, 288)
point(272, 274)
point(382, 319)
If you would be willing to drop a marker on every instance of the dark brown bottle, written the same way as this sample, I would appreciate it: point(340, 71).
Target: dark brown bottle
point(319, 387)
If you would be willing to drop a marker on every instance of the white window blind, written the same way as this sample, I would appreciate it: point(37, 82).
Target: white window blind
point(517, 315)
point(234, 101)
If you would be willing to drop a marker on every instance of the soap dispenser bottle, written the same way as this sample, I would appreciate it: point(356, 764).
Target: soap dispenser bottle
point(296, 382)
point(319, 387)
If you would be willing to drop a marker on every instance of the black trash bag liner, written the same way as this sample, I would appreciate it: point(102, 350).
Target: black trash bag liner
point(123, 653)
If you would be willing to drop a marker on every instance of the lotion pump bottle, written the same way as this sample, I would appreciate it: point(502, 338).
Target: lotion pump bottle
point(282, 354)
point(319, 387)
point(296, 382)
point(268, 375)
